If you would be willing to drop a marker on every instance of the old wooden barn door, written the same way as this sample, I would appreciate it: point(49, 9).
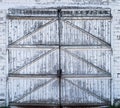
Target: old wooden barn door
point(59, 57)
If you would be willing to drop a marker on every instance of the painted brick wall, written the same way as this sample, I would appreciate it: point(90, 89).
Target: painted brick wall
point(100, 2)
point(3, 57)
point(116, 52)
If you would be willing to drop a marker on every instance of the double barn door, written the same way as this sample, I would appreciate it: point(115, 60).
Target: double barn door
point(59, 57)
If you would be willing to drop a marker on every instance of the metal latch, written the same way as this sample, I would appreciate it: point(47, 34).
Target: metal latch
point(59, 73)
